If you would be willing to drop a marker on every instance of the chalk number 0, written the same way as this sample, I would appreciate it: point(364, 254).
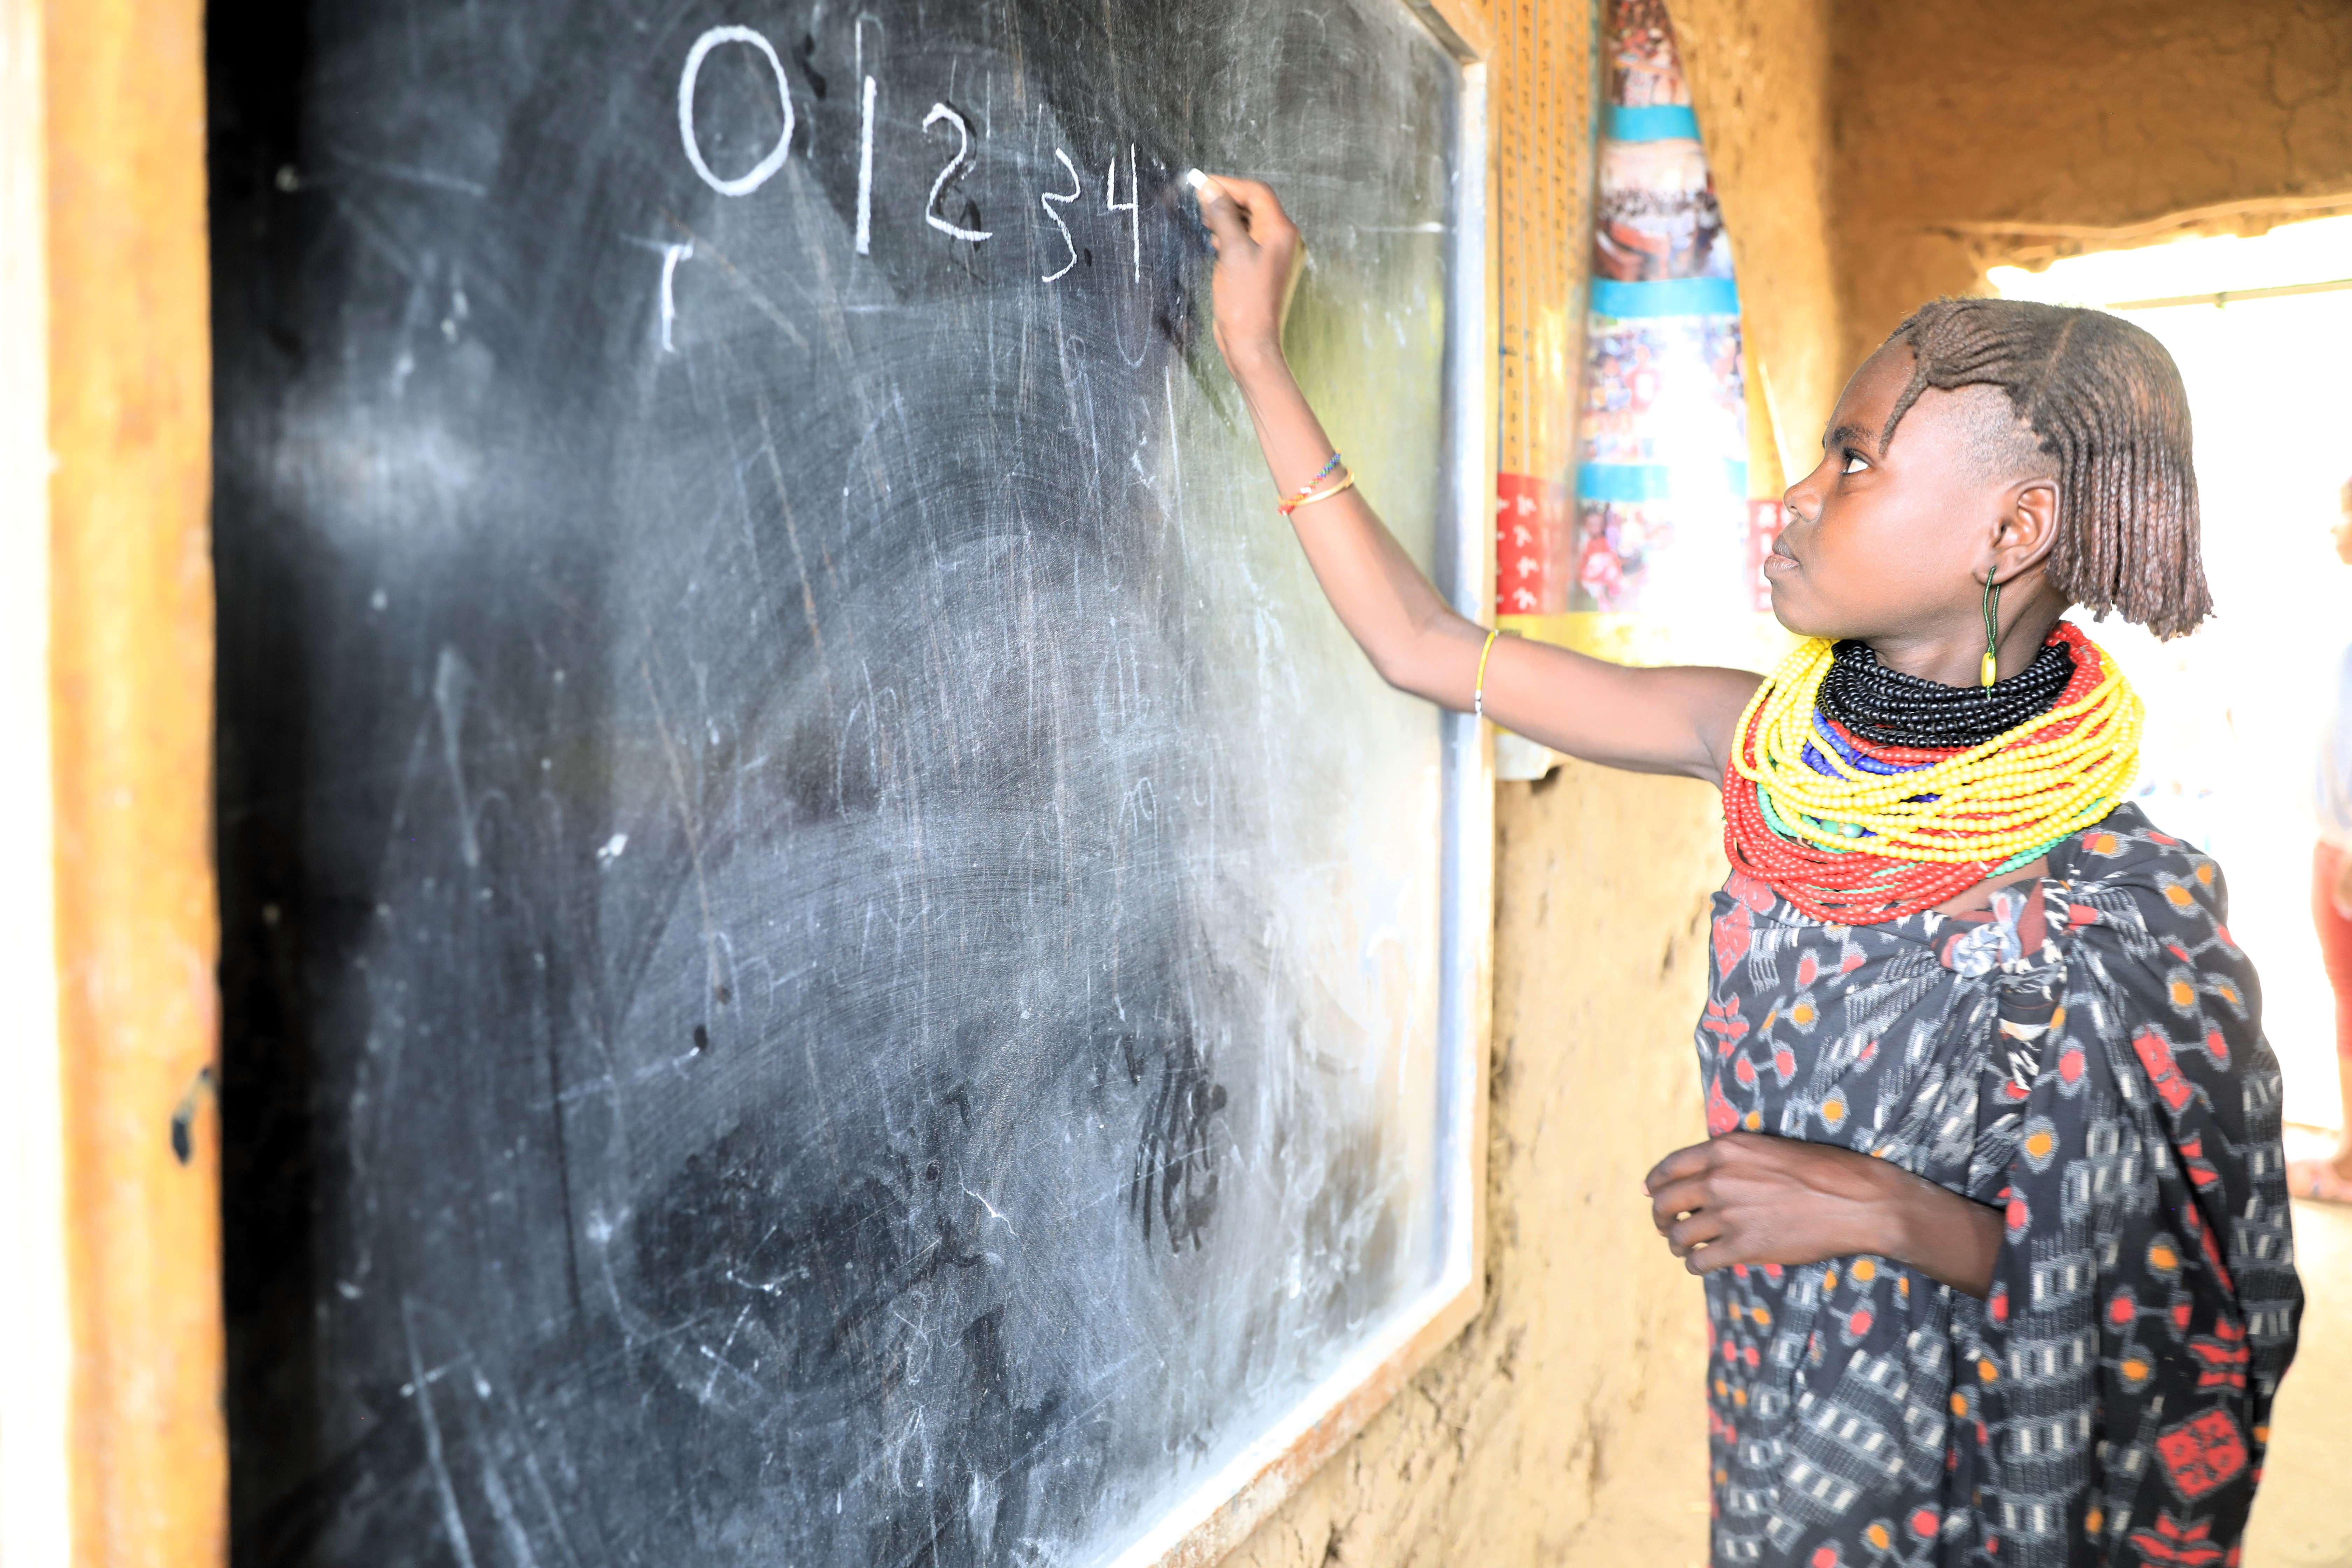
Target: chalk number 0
point(765, 169)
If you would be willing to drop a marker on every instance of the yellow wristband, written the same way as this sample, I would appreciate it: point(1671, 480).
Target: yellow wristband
point(1478, 692)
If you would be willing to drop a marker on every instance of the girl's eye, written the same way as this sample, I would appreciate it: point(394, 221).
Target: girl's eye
point(1854, 463)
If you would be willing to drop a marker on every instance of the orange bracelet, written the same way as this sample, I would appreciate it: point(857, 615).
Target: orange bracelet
point(1287, 507)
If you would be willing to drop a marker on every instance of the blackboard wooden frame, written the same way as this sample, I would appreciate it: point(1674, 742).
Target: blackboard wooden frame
point(108, 1147)
point(1217, 1515)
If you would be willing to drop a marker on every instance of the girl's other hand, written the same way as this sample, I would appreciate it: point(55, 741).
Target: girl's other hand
point(1258, 260)
point(1747, 1198)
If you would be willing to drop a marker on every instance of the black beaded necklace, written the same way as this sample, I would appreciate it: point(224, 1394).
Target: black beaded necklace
point(1888, 708)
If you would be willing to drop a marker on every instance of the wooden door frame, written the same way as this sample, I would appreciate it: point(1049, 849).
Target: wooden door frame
point(114, 1428)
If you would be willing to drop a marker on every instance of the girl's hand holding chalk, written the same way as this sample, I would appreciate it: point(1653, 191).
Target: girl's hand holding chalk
point(1258, 260)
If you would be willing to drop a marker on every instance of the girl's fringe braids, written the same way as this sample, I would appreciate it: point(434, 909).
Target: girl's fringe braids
point(2107, 403)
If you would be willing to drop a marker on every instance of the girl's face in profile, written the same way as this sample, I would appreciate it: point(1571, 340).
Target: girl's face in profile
point(1886, 542)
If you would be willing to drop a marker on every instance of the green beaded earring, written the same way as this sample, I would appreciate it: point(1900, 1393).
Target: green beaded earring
point(1991, 665)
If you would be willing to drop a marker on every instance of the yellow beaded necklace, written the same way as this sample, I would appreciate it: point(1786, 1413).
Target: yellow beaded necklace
point(2005, 800)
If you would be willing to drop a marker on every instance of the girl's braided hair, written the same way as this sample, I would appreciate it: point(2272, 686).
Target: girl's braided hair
point(2106, 403)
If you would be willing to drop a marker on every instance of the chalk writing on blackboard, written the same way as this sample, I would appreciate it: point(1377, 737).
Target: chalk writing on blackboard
point(671, 255)
point(761, 171)
point(865, 173)
point(965, 159)
point(954, 165)
point(1132, 207)
point(1046, 201)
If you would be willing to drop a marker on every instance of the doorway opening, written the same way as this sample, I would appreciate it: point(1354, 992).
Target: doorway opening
point(2262, 329)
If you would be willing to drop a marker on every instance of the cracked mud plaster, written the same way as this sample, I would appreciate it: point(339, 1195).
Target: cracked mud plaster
point(1566, 1425)
point(2116, 113)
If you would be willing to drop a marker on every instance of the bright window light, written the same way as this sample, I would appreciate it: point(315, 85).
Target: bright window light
point(2292, 254)
point(2234, 711)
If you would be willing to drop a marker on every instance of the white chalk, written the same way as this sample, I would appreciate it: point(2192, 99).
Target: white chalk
point(1195, 179)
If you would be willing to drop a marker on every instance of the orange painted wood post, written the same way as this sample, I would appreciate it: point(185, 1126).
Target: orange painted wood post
point(34, 1385)
point(131, 657)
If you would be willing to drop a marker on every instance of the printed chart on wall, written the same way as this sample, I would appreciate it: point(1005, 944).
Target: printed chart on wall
point(831, 956)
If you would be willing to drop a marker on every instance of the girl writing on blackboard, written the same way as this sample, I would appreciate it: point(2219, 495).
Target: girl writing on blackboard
point(1992, 1216)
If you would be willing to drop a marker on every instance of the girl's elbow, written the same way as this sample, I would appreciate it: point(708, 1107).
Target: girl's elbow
point(1409, 674)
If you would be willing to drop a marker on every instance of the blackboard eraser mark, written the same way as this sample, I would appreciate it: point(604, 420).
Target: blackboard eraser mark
point(804, 56)
point(184, 1115)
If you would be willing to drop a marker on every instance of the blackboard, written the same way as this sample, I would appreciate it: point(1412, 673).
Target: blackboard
point(830, 956)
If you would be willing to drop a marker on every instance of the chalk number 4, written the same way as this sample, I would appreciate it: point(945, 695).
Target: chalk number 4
point(1132, 207)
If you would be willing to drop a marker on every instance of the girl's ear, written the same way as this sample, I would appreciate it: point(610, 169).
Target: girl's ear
point(2026, 529)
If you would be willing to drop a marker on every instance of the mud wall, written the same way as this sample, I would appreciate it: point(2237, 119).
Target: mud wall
point(2019, 131)
point(1759, 80)
point(1565, 1426)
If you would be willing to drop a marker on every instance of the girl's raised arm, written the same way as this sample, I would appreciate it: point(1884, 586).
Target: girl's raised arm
point(1672, 720)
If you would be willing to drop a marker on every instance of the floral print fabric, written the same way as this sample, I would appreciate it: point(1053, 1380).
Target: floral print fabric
point(2087, 1057)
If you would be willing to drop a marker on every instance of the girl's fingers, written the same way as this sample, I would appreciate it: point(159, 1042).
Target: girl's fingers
point(1712, 1256)
point(1672, 1200)
point(1259, 207)
point(1680, 1163)
point(1224, 216)
point(1686, 1234)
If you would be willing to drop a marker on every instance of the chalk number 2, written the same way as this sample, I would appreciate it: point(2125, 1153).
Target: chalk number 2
point(964, 151)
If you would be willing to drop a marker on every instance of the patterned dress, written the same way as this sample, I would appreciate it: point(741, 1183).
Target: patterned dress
point(2088, 1058)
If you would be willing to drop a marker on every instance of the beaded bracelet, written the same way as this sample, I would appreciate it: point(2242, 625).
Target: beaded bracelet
point(1287, 508)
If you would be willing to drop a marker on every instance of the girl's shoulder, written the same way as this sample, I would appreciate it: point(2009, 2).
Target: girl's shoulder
point(2125, 863)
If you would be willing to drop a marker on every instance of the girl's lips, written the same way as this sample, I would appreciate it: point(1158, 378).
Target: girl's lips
point(1778, 563)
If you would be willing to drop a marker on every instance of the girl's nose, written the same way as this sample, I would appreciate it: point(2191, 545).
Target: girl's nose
point(1802, 499)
